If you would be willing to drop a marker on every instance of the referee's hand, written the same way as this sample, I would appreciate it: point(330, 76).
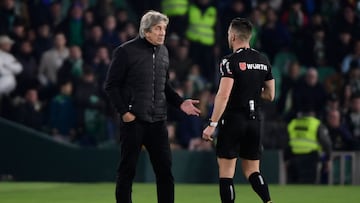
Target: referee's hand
point(207, 133)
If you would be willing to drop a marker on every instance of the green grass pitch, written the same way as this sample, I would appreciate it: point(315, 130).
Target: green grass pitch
point(15, 192)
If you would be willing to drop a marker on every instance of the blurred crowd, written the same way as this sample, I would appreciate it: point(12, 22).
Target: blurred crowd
point(54, 56)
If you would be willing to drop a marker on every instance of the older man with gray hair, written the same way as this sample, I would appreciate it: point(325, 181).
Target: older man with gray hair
point(137, 84)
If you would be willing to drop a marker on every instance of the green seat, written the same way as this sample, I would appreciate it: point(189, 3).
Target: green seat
point(281, 59)
point(324, 72)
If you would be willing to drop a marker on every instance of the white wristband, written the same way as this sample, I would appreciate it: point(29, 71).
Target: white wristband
point(213, 124)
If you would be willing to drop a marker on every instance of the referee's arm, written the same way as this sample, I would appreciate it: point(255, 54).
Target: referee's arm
point(222, 97)
point(268, 92)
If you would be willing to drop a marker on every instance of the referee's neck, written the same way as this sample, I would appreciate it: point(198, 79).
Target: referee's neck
point(239, 44)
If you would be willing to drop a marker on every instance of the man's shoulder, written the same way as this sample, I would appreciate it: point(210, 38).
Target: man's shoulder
point(251, 55)
point(128, 43)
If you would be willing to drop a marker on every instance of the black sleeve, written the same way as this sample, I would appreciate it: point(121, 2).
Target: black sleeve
point(115, 78)
point(269, 75)
point(172, 97)
point(226, 68)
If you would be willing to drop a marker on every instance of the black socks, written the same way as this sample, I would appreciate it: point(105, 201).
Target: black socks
point(227, 191)
point(260, 186)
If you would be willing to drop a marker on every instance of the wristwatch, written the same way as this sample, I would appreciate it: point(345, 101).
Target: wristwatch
point(212, 123)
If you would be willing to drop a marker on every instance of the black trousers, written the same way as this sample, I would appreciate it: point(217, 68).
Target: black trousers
point(303, 168)
point(154, 137)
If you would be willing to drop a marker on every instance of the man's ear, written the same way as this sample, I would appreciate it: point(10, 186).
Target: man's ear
point(233, 38)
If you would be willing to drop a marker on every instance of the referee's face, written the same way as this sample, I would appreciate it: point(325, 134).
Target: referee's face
point(156, 35)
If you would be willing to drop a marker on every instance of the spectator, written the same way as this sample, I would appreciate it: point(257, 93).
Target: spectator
point(202, 33)
point(90, 108)
point(129, 32)
point(294, 18)
point(110, 35)
point(43, 41)
point(194, 83)
point(100, 65)
point(348, 19)
point(122, 18)
point(72, 66)
point(315, 50)
point(173, 42)
point(103, 9)
point(353, 56)
point(89, 22)
point(332, 103)
point(352, 78)
point(340, 47)
point(9, 66)
point(52, 60)
point(17, 34)
point(62, 120)
point(288, 83)
point(353, 119)
point(73, 26)
point(273, 35)
point(28, 77)
point(30, 113)
point(237, 8)
point(339, 133)
point(181, 63)
point(257, 19)
point(92, 43)
point(309, 93)
point(176, 11)
point(56, 16)
point(7, 16)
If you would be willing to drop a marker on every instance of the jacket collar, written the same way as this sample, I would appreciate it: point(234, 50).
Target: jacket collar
point(146, 42)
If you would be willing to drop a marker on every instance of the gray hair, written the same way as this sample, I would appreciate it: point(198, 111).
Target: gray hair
point(150, 19)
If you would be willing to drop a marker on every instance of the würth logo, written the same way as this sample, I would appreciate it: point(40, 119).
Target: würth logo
point(242, 66)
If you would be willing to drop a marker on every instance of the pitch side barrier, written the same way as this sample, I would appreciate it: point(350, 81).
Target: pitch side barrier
point(28, 155)
point(344, 168)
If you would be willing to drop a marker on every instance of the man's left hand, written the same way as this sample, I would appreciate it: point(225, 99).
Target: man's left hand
point(188, 107)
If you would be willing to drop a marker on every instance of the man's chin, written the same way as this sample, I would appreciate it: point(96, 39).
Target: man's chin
point(160, 42)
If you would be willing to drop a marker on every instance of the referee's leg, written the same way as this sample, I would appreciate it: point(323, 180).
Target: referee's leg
point(226, 175)
point(131, 139)
point(251, 170)
point(157, 144)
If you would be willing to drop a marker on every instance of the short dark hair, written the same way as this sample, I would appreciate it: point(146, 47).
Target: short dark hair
point(242, 27)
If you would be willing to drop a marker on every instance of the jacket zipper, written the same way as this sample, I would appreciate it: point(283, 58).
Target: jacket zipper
point(153, 83)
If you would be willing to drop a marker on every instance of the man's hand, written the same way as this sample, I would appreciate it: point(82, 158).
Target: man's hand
point(188, 107)
point(128, 117)
point(207, 133)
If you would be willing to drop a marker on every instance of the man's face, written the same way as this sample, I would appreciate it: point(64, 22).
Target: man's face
point(156, 35)
point(60, 40)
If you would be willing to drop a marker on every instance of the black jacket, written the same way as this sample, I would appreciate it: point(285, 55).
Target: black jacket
point(137, 80)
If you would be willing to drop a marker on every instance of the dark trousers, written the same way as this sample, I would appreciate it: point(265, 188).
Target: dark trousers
point(155, 138)
point(303, 168)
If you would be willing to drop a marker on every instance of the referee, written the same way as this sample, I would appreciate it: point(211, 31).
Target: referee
point(246, 79)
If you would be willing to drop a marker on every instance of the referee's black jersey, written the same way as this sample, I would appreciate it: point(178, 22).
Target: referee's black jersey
point(249, 69)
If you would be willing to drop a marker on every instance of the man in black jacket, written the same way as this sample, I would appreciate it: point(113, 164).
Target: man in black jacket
point(137, 84)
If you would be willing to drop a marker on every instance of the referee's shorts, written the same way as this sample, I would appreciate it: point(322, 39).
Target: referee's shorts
point(238, 136)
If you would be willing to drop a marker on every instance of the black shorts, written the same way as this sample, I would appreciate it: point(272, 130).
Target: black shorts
point(238, 136)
